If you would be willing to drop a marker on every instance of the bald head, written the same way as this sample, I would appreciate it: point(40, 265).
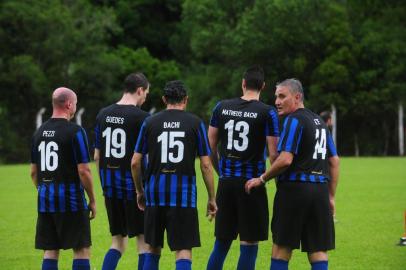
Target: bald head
point(64, 103)
point(61, 96)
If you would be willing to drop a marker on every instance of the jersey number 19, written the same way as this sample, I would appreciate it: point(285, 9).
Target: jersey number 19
point(115, 142)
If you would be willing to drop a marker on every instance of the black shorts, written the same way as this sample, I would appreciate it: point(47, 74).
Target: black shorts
point(181, 224)
point(241, 213)
point(63, 230)
point(125, 218)
point(302, 215)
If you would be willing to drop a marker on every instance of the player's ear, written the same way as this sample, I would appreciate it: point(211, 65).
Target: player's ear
point(164, 100)
point(139, 91)
point(243, 84)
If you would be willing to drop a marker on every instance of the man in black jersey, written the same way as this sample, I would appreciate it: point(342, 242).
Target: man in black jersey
point(60, 173)
point(117, 128)
point(307, 171)
point(243, 128)
point(172, 138)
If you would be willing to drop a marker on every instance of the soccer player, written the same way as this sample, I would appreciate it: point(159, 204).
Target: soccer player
point(307, 168)
point(172, 138)
point(117, 128)
point(243, 127)
point(60, 172)
point(326, 116)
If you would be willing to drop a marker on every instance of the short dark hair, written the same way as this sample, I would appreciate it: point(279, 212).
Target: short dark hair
point(174, 92)
point(254, 78)
point(325, 115)
point(135, 80)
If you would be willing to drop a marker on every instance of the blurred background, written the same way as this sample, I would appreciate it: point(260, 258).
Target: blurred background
point(349, 55)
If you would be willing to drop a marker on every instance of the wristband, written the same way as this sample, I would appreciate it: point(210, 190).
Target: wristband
point(262, 179)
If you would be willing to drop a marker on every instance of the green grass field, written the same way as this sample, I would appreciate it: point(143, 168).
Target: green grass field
point(370, 205)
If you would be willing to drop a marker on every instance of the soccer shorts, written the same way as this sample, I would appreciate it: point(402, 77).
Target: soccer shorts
point(181, 224)
point(63, 230)
point(125, 218)
point(302, 215)
point(240, 213)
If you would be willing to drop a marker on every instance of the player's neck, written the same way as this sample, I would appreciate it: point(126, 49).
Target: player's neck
point(250, 95)
point(60, 114)
point(128, 99)
point(175, 107)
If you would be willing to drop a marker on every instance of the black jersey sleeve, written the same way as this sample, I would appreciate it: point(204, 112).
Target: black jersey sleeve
point(214, 121)
point(142, 146)
point(97, 136)
point(332, 151)
point(272, 124)
point(81, 147)
point(203, 143)
point(291, 135)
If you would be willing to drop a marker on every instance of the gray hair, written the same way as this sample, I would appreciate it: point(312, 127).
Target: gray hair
point(294, 86)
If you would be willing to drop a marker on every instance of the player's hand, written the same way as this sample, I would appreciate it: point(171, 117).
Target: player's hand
point(92, 208)
point(211, 209)
point(332, 205)
point(141, 201)
point(252, 183)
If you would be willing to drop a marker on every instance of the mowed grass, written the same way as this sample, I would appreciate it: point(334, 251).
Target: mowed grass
point(370, 205)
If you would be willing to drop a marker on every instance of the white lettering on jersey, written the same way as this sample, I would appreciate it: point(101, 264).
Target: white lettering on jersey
point(114, 120)
point(48, 133)
point(171, 124)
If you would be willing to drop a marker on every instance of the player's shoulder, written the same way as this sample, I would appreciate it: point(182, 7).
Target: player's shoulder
point(305, 116)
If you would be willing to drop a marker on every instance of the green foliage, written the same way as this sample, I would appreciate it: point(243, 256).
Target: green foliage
point(347, 53)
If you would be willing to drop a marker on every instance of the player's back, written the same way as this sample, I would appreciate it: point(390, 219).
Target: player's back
point(172, 139)
point(58, 146)
point(117, 129)
point(243, 126)
point(307, 136)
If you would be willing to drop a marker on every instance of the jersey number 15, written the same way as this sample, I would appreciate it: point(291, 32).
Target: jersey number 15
point(171, 145)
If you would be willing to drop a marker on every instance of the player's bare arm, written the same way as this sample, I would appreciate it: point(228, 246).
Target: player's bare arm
point(213, 141)
point(272, 143)
point(34, 175)
point(86, 179)
point(207, 172)
point(96, 158)
point(281, 163)
point(334, 164)
point(136, 173)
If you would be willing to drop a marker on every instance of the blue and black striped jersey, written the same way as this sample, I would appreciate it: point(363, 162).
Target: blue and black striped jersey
point(172, 139)
point(116, 131)
point(306, 135)
point(58, 146)
point(243, 127)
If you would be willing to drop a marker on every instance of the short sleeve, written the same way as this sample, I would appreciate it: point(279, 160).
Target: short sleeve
point(332, 151)
point(81, 147)
point(202, 141)
point(142, 144)
point(97, 136)
point(214, 121)
point(272, 123)
point(291, 135)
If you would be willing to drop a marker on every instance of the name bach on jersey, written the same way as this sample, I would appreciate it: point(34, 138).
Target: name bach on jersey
point(240, 142)
point(58, 146)
point(304, 132)
point(116, 131)
point(172, 146)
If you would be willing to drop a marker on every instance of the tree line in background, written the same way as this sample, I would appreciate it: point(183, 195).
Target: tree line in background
point(346, 52)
